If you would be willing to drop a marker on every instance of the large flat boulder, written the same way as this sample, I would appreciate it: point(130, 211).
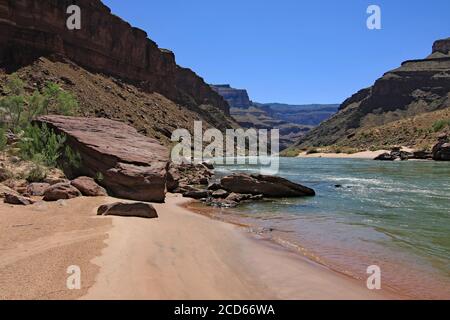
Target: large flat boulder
point(132, 165)
point(268, 186)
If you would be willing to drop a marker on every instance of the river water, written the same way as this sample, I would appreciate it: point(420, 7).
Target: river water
point(395, 215)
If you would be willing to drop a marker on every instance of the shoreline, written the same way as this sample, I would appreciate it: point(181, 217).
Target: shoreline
point(259, 234)
point(188, 256)
point(180, 255)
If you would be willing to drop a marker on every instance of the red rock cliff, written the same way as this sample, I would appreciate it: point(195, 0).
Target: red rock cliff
point(107, 44)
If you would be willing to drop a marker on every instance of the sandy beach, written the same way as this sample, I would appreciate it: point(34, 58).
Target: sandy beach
point(358, 155)
point(39, 242)
point(180, 255)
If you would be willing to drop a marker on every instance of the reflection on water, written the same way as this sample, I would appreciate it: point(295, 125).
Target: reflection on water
point(395, 215)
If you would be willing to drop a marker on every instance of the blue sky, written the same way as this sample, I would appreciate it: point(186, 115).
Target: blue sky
point(290, 51)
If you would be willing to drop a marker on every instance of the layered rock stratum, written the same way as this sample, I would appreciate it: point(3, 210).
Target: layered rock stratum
point(236, 98)
point(105, 43)
point(399, 109)
point(114, 69)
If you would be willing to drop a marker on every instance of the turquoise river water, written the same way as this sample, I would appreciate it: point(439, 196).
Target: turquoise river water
point(392, 214)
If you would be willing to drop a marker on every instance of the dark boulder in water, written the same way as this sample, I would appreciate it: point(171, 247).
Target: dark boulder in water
point(268, 186)
point(441, 151)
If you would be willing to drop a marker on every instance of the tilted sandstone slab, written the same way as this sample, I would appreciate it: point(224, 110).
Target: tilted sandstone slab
point(132, 166)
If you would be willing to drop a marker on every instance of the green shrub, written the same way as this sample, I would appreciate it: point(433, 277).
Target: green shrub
point(99, 177)
point(440, 124)
point(42, 142)
point(44, 147)
point(38, 172)
point(3, 139)
point(72, 158)
point(18, 109)
point(58, 101)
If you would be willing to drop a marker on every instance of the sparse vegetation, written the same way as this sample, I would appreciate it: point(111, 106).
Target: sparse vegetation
point(40, 145)
point(99, 177)
point(38, 171)
point(18, 108)
point(3, 139)
point(44, 144)
point(441, 124)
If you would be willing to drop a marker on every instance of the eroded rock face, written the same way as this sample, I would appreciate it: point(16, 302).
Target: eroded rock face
point(140, 210)
point(61, 191)
point(88, 187)
point(268, 186)
point(133, 166)
point(105, 43)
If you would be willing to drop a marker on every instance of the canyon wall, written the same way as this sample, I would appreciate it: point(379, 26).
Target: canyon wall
point(105, 43)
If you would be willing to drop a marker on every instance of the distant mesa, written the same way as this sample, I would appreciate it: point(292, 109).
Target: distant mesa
point(293, 121)
point(236, 98)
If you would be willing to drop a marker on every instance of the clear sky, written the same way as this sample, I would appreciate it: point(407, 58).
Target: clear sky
point(291, 51)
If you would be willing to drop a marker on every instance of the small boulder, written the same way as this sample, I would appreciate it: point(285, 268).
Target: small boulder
point(61, 191)
point(5, 174)
point(385, 157)
point(441, 151)
point(220, 194)
point(197, 194)
point(173, 178)
point(422, 155)
point(4, 190)
point(17, 200)
point(208, 165)
point(88, 187)
point(37, 189)
point(237, 197)
point(404, 155)
point(214, 186)
point(138, 209)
